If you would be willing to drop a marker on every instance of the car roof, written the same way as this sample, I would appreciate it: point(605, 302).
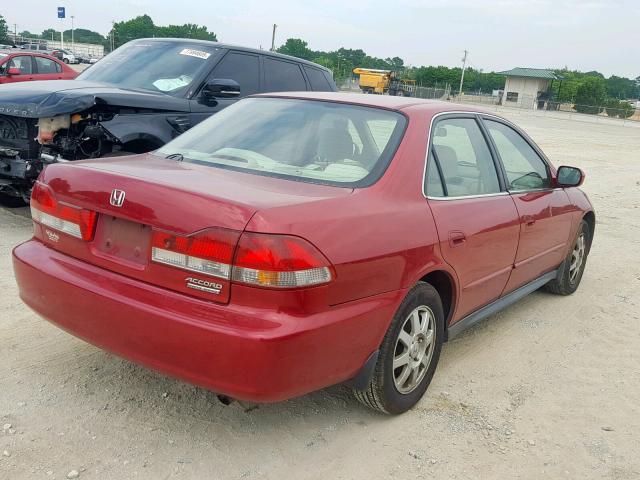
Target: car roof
point(235, 47)
point(379, 101)
point(33, 53)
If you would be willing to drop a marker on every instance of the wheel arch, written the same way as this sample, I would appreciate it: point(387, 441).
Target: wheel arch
point(142, 144)
point(590, 218)
point(445, 285)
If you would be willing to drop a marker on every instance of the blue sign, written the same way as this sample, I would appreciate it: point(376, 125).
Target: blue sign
point(60, 12)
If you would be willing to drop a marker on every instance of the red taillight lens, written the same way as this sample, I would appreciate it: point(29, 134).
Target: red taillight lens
point(279, 261)
point(78, 222)
point(209, 252)
point(275, 261)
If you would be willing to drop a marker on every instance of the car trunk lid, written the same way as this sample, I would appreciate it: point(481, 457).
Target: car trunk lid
point(142, 197)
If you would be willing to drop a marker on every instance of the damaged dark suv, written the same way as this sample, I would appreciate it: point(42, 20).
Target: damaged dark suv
point(135, 100)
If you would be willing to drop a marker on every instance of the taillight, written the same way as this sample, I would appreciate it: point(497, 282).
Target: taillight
point(75, 221)
point(279, 261)
point(209, 252)
point(274, 261)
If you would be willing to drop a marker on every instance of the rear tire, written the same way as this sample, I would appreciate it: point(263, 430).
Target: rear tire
point(66, 60)
point(570, 272)
point(412, 344)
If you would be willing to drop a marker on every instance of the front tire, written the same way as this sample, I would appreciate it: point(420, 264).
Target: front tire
point(12, 201)
point(409, 353)
point(570, 272)
point(66, 60)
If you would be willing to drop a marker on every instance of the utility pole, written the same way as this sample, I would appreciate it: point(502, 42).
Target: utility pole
point(273, 38)
point(15, 33)
point(113, 27)
point(464, 65)
point(73, 46)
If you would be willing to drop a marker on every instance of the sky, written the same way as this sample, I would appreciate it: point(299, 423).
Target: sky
point(602, 35)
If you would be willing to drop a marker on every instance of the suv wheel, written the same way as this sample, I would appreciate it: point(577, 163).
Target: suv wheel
point(409, 353)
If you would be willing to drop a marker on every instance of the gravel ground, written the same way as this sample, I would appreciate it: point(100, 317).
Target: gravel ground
point(548, 388)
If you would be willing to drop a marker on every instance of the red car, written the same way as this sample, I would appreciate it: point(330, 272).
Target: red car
point(24, 66)
point(296, 241)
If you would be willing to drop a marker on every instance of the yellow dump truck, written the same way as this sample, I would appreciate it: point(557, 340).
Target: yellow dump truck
point(384, 81)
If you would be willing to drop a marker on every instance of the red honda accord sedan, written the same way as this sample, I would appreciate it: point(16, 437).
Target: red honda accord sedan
point(299, 240)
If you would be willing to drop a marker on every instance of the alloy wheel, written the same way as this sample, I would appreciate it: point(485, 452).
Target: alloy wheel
point(414, 349)
point(577, 258)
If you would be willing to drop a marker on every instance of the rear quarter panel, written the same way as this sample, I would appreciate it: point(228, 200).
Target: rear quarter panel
point(380, 238)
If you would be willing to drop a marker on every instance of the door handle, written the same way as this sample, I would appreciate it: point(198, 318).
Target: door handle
point(457, 238)
point(528, 220)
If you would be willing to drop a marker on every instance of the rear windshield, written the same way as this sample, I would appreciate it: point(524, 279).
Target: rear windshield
point(304, 140)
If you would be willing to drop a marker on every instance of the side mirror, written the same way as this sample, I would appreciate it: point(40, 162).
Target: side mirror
point(221, 88)
point(13, 71)
point(569, 177)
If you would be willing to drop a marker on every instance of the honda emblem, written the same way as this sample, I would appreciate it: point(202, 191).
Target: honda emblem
point(117, 197)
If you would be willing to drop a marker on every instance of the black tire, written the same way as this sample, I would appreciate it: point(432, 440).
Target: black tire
point(567, 281)
point(66, 60)
point(382, 393)
point(11, 201)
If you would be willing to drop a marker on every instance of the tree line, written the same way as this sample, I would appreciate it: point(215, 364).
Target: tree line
point(592, 92)
point(583, 88)
point(121, 32)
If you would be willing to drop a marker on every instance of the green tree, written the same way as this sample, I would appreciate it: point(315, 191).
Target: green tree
point(618, 108)
point(396, 63)
point(591, 95)
point(50, 33)
point(143, 27)
point(620, 87)
point(82, 35)
point(296, 48)
point(3, 29)
point(139, 27)
point(188, 30)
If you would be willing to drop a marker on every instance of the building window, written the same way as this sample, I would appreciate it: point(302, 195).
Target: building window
point(512, 96)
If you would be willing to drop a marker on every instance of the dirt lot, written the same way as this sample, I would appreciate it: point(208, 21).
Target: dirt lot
point(549, 388)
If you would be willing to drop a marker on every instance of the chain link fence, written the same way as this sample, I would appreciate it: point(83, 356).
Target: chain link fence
point(611, 110)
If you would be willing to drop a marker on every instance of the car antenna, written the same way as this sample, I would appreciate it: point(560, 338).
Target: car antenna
point(178, 157)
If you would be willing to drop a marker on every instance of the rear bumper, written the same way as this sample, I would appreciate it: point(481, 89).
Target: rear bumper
point(260, 355)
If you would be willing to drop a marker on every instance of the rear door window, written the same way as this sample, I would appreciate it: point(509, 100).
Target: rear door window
point(317, 80)
point(283, 76)
point(464, 158)
point(434, 186)
point(241, 67)
point(44, 65)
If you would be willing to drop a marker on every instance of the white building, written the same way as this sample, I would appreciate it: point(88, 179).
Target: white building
point(528, 87)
